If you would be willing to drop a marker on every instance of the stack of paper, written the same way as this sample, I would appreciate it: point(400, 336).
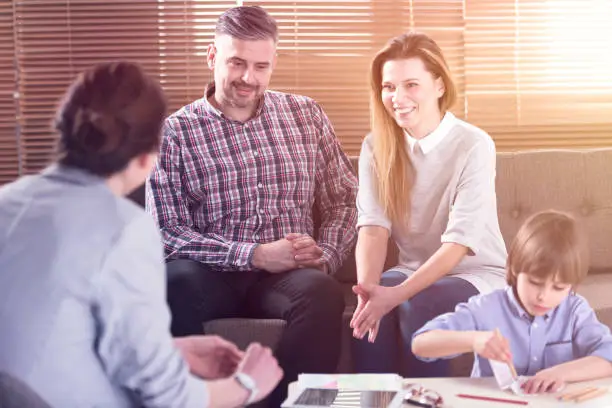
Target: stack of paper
point(380, 382)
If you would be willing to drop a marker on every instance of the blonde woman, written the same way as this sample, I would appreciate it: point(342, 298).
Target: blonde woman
point(426, 179)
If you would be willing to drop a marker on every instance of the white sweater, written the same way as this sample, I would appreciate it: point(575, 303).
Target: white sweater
point(453, 200)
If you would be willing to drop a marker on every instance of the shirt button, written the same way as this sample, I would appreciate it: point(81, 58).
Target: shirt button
point(261, 210)
point(259, 185)
point(255, 153)
point(535, 325)
point(535, 359)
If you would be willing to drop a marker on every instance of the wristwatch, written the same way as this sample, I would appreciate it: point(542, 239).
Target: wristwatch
point(247, 382)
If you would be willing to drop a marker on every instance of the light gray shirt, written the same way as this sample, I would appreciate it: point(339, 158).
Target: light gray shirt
point(83, 318)
point(453, 200)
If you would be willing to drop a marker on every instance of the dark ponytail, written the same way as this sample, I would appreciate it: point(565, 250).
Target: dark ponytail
point(111, 114)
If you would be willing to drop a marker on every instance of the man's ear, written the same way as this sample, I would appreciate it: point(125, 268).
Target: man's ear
point(146, 161)
point(211, 54)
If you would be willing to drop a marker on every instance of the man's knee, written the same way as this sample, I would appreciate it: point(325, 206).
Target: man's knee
point(320, 291)
point(185, 279)
point(183, 270)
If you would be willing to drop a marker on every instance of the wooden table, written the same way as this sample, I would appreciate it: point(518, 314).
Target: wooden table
point(450, 387)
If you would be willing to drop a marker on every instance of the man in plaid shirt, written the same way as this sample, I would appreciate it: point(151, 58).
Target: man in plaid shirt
point(239, 173)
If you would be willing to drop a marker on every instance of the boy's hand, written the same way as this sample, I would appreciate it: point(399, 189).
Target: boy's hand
point(492, 346)
point(547, 380)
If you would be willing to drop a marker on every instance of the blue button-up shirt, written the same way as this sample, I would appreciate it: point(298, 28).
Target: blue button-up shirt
point(568, 332)
point(83, 313)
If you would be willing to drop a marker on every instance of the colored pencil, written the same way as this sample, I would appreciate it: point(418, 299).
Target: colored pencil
point(492, 399)
point(598, 392)
point(575, 394)
point(510, 363)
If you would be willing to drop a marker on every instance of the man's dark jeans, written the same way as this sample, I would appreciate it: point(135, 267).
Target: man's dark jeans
point(309, 300)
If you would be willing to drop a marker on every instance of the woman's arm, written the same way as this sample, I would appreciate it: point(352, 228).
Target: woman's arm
point(374, 226)
point(260, 366)
point(226, 393)
point(370, 253)
point(436, 267)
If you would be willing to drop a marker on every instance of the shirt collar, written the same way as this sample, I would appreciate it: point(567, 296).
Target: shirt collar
point(71, 174)
point(209, 108)
point(516, 307)
point(429, 142)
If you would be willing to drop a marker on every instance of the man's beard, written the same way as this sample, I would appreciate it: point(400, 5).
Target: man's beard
point(238, 101)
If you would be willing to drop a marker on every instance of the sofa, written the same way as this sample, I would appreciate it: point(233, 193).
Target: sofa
point(577, 181)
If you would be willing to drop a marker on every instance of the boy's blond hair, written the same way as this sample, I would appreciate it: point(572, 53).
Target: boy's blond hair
point(549, 244)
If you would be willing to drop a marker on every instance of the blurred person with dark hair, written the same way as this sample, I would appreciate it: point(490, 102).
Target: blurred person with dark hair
point(233, 192)
point(83, 317)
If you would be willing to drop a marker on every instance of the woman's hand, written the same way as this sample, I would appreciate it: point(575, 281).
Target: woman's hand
point(209, 357)
point(374, 302)
point(259, 364)
point(372, 332)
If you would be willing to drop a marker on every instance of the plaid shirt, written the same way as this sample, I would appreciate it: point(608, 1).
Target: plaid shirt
point(220, 187)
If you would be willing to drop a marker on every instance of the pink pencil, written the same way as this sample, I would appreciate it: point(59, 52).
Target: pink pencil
point(478, 397)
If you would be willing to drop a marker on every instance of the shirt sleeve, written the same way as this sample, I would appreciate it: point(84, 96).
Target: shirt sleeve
point(166, 202)
point(464, 318)
point(590, 336)
point(370, 212)
point(134, 341)
point(336, 190)
point(475, 195)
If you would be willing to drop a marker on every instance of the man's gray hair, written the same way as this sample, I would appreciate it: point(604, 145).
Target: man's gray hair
point(247, 23)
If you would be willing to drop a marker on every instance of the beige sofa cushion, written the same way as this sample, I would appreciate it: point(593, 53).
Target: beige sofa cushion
point(577, 181)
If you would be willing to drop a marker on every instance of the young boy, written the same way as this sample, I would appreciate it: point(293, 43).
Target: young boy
point(548, 331)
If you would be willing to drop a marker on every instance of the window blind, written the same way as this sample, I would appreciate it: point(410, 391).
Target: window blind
point(56, 40)
point(532, 73)
point(9, 152)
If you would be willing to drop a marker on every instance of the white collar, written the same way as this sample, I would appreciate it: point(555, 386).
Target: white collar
point(434, 138)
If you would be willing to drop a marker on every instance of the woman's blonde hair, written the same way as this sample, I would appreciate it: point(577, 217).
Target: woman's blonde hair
point(392, 165)
point(549, 244)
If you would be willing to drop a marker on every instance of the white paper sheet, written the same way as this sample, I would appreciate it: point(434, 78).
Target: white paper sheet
point(503, 376)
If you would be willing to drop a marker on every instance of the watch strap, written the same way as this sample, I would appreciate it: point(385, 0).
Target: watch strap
point(248, 383)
